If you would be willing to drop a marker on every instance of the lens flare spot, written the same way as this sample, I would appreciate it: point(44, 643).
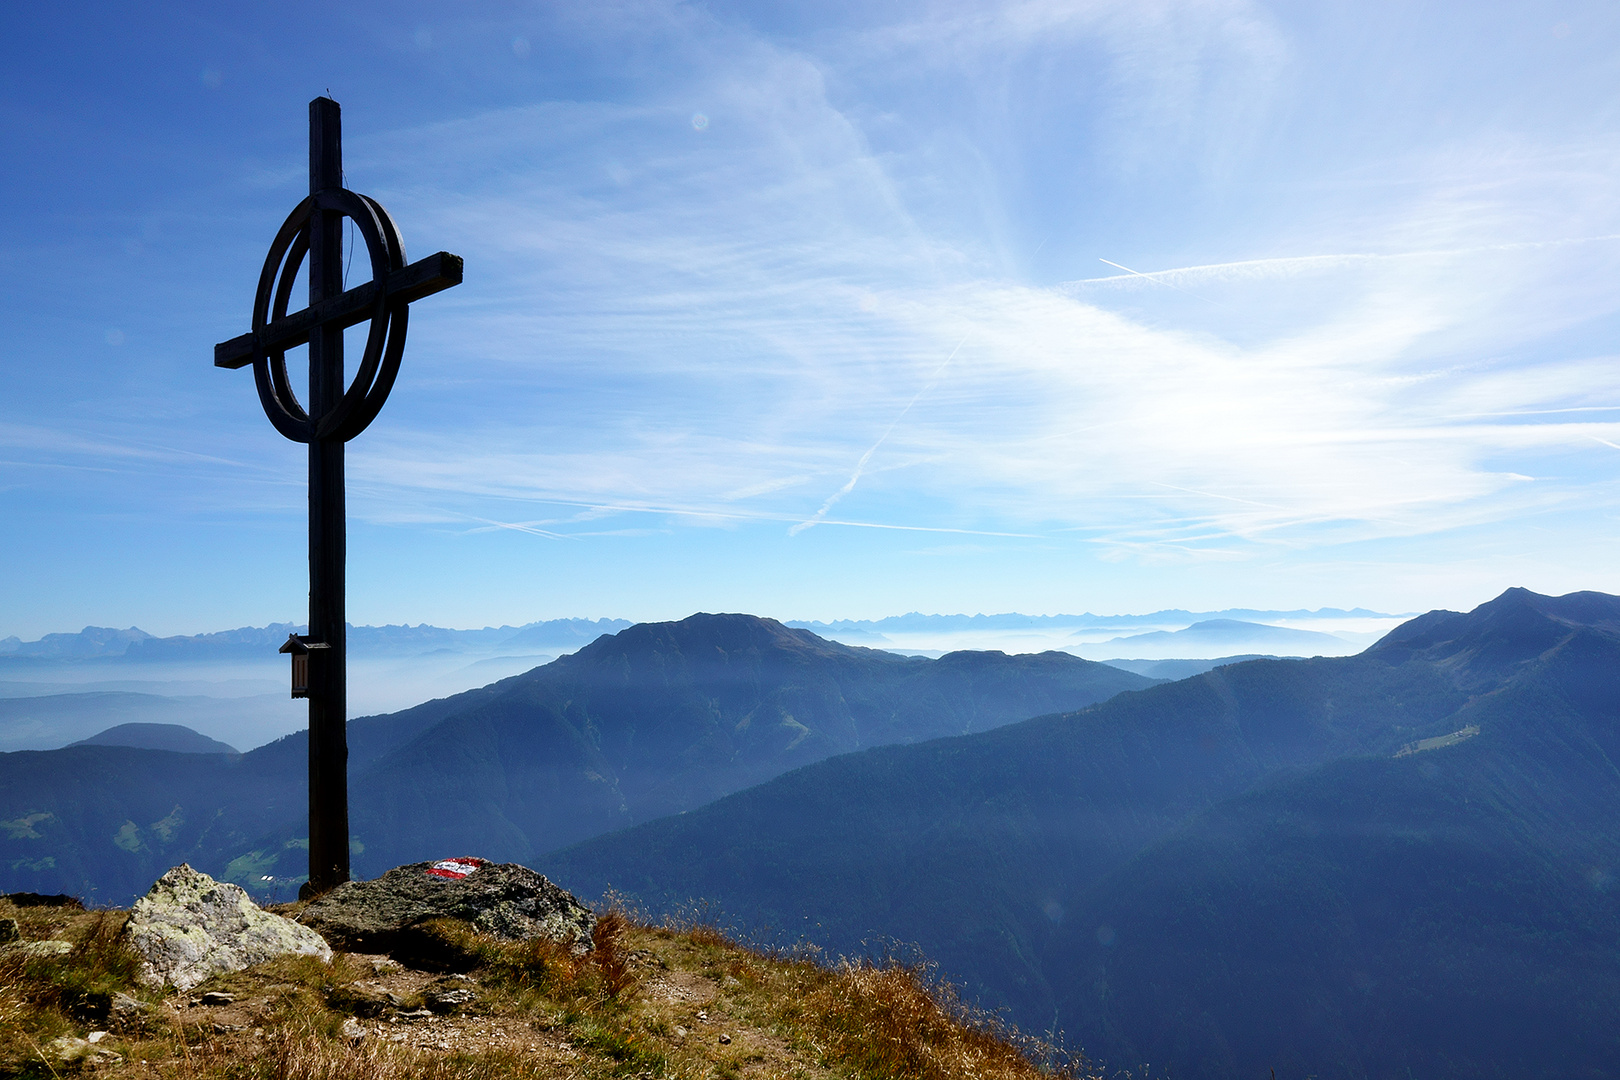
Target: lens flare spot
point(699, 122)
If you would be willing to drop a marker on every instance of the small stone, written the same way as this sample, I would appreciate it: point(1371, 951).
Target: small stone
point(448, 1000)
point(724, 1038)
point(680, 1033)
point(361, 1000)
point(416, 1014)
point(127, 1014)
point(216, 997)
point(9, 931)
point(352, 1030)
point(68, 1050)
point(95, 1037)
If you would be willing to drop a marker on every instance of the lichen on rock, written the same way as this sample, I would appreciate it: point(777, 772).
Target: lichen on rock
point(502, 900)
point(190, 927)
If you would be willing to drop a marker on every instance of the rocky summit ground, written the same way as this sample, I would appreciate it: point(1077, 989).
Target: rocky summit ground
point(647, 1002)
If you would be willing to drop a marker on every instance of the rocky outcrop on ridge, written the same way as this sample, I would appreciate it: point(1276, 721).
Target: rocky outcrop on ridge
point(190, 927)
point(503, 900)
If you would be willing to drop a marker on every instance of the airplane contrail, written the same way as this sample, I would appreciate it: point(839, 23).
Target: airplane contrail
point(1151, 277)
point(1343, 258)
point(860, 466)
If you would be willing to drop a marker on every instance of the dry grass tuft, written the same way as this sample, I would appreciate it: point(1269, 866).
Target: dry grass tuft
point(607, 953)
point(536, 965)
point(45, 996)
point(307, 1052)
point(888, 1021)
point(710, 934)
point(81, 983)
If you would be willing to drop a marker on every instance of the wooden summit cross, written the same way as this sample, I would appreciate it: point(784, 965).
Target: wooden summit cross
point(334, 416)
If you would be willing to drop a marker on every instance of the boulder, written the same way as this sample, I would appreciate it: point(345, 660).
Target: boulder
point(504, 900)
point(190, 927)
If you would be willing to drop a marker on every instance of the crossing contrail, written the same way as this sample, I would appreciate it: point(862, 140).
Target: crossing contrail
point(860, 466)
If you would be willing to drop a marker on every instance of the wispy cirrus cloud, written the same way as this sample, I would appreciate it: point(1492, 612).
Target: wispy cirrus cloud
point(850, 272)
point(758, 333)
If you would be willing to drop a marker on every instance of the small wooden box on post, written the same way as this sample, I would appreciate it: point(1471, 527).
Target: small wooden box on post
point(335, 415)
point(299, 649)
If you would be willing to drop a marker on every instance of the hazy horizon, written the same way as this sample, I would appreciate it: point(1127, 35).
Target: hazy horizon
point(385, 677)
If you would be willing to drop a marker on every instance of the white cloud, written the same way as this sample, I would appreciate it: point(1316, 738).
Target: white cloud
point(736, 317)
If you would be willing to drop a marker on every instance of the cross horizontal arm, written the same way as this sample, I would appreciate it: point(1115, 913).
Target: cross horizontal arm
point(422, 278)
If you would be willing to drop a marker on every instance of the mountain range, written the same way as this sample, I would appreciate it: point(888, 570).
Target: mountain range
point(230, 685)
point(915, 622)
point(1226, 636)
point(136, 646)
point(1397, 863)
point(1099, 637)
point(657, 719)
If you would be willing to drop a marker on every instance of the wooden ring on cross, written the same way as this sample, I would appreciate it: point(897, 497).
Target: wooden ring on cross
point(385, 341)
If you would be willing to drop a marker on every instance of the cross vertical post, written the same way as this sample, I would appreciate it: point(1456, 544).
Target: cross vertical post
point(328, 676)
point(335, 415)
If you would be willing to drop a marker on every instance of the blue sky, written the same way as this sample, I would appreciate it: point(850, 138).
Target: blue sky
point(830, 311)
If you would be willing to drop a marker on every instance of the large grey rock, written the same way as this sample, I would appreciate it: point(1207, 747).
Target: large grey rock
point(503, 900)
point(190, 927)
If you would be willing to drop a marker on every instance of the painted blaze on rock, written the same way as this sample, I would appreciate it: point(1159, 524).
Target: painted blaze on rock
point(504, 900)
point(456, 869)
point(190, 927)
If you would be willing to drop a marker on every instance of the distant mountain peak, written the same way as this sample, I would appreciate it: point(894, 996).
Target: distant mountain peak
point(725, 632)
point(1516, 626)
point(174, 737)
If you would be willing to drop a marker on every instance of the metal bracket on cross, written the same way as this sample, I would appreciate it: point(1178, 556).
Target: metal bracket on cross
point(385, 300)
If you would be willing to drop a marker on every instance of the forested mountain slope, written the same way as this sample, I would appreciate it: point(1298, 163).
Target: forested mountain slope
point(1359, 866)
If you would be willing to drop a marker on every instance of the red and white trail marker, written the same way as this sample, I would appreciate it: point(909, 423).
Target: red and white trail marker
point(456, 869)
